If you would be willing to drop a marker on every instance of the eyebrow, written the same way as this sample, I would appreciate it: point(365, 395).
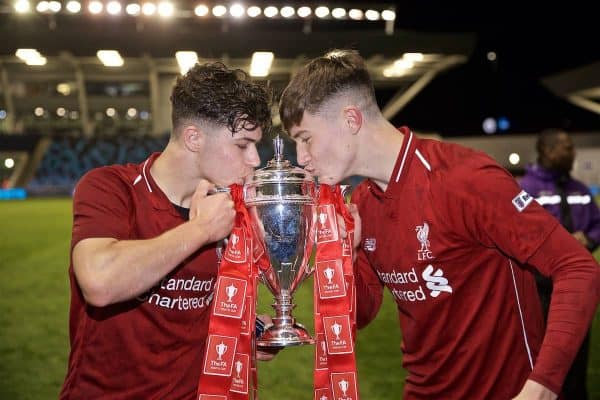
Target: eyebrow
point(298, 133)
point(247, 139)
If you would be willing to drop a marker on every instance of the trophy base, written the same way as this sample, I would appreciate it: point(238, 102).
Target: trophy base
point(278, 337)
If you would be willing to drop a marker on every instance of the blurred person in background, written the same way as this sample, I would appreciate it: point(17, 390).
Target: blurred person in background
point(570, 201)
point(454, 239)
point(144, 253)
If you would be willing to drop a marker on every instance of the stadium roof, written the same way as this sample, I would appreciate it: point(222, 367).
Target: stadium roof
point(534, 70)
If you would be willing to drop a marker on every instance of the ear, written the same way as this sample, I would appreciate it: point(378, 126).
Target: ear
point(353, 118)
point(193, 137)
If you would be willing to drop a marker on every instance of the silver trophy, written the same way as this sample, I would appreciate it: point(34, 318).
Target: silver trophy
point(282, 201)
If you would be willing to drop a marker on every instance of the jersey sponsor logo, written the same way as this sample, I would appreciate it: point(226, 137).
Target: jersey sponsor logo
point(423, 237)
point(408, 286)
point(193, 293)
point(522, 200)
point(436, 282)
point(370, 244)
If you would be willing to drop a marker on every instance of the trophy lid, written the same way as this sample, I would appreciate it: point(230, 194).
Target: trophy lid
point(280, 180)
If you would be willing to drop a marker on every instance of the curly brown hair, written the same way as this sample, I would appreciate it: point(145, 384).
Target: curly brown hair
point(320, 80)
point(212, 93)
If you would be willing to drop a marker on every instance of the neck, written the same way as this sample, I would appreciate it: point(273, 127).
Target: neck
point(378, 151)
point(174, 172)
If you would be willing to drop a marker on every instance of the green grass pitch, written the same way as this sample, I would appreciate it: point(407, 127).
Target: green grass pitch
point(34, 303)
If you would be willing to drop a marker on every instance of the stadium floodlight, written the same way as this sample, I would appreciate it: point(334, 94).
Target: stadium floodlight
point(9, 163)
point(403, 63)
point(39, 111)
point(338, 13)
point(322, 12)
point(113, 7)
point(186, 60)
point(61, 112)
point(287, 12)
point(304, 12)
point(54, 6)
point(254, 11)
point(237, 10)
point(271, 12)
point(356, 14)
point(63, 88)
point(110, 58)
point(42, 7)
point(261, 63)
point(388, 15)
point(219, 10)
point(133, 9)
point(372, 15)
point(166, 9)
point(22, 6)
point(149, 9)
point(73, 7)
point(37, 61)
point(413, 57)
point(31, 56)
point(111, 112)
point(132, 112)
point(201, 10)
point(95, 7)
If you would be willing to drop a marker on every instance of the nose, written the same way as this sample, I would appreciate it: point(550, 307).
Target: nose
point(302, 155)
point(252, 158)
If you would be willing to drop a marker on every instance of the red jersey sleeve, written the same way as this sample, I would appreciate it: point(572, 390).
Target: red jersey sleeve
point(490, 207)
point(101, 206)
point(369, 289)
point(495, 211)
point(575, 295)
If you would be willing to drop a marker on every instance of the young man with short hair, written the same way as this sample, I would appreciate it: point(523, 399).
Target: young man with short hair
point(453, 237)
point(144, 252)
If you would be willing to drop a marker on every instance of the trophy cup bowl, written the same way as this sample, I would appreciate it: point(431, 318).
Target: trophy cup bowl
point(282, 202)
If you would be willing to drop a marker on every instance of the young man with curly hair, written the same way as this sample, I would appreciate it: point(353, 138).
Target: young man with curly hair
point(452, 236)
point(144, 252)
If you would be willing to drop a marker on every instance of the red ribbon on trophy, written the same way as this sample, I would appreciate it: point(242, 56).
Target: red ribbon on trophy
point(229, 368)
point(335, 376)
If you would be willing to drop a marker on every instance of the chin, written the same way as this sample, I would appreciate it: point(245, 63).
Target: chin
point(329, 180)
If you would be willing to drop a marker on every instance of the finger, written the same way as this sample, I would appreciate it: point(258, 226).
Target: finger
point(204, 188)
point(353, 208)
point(265, 319)
point(342, 227)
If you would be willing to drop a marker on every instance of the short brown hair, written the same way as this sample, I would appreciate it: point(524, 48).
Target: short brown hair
point(212, 93)
point(319, 80)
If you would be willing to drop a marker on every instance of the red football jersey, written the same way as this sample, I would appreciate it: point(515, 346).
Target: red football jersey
point(450, 237)
point(150, 347)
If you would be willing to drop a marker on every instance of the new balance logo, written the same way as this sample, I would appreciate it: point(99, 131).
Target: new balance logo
point(370, 244)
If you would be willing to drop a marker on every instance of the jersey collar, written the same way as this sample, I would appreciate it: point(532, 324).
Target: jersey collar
point(401, 167)
point(159, 200)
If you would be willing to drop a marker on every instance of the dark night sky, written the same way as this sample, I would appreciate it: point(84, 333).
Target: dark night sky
point(530, 43)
